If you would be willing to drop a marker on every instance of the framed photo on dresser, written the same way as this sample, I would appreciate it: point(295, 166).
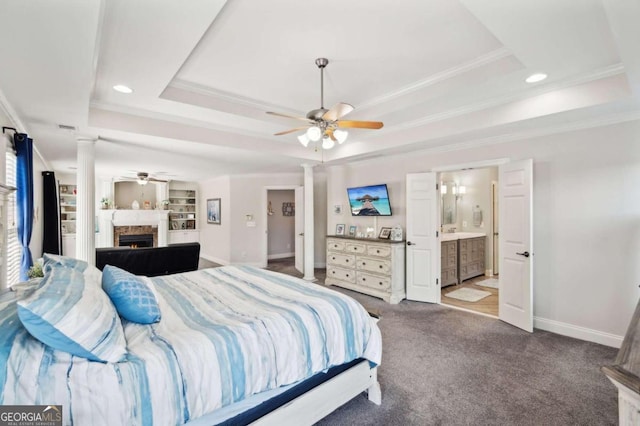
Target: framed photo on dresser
point(340, 229)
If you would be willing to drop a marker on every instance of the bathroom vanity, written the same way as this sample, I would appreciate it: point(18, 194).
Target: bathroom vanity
point(461, 256)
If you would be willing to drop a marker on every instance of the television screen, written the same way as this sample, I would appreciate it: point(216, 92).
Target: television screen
point(369, 200)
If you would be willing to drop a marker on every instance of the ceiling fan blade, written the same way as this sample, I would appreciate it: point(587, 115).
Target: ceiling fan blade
point(329, 133)
point(338, 110)
point(289, 116)
point(152, 179)
point(290, 131)
point(360, 124)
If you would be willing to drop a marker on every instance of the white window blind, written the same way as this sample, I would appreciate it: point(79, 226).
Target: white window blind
point(13, 247)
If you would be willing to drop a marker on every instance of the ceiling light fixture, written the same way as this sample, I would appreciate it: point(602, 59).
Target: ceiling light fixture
point(534, 78)
point(122, 88)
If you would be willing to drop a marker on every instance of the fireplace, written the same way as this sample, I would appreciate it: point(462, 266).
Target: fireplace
point(136, 240)
point(128, 235)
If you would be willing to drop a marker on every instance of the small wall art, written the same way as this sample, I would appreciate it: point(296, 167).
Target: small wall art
point(340, 229)
point(288, 209)
point(213, 211)
point(352, 230)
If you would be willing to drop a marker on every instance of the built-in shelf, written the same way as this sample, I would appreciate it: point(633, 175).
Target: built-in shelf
point(183, 209)
point(68, 195)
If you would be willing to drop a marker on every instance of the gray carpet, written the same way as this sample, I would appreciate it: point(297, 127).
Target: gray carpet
point(443, 366)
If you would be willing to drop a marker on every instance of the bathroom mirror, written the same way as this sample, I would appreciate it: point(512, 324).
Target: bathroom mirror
point(448, 191)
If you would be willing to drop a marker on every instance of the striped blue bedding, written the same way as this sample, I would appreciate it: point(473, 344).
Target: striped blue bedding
point(226, 333)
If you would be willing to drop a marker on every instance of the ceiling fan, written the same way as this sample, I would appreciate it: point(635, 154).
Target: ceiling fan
point(326, 124)
point(143, 178)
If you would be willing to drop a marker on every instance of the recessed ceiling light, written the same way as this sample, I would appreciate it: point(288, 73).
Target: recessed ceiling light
point(534, 78)
point(122, 88)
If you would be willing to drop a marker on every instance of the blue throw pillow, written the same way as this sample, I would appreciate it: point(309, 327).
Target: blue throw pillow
point(71, 313)
point(132, 295)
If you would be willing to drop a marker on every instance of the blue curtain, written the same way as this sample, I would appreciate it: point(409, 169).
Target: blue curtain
point(24, 198)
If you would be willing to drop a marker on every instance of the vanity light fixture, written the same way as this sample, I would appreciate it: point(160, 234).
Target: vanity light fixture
point(123, 89)
point(534, 78)
point(460, 192)
point(443, 188)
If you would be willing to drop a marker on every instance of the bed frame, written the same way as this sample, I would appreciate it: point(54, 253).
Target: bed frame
point(320, 401)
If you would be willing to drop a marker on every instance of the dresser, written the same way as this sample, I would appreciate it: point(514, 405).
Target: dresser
point(371, 266)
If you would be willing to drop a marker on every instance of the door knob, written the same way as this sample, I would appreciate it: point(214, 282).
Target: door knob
point(301, 234)
point(409, 243)
point(525, 254)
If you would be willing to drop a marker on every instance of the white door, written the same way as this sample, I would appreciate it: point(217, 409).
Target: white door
point(423, 249)
point(299, 229)
point(516, 244)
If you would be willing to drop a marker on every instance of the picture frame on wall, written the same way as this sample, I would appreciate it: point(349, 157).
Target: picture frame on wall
point(385, 233)
point(352, 230)
point(213, 211)
point(340, 229)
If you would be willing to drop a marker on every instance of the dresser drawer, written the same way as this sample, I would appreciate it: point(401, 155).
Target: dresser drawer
point(355, 248)
point(341, 274)
point(341, 259)
point(373, 265)
point(335, 245)
point(380, 251)
point(373, 281)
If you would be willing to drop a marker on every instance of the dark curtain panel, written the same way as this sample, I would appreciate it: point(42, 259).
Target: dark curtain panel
point(52, 239)
point(24, 198)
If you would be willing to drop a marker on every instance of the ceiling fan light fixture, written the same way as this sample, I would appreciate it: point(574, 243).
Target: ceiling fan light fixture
point(142, 181)
point(304, 140)
point(340, 135)
point(327, 143)
point(314, 133)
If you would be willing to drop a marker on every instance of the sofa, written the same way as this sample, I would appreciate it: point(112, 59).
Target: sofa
point(151, 261)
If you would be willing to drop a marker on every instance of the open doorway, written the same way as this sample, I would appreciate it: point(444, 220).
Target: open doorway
point(280, 226)
point(469, 239)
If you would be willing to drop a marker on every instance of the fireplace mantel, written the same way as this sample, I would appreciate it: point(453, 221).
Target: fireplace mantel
point(110, 218)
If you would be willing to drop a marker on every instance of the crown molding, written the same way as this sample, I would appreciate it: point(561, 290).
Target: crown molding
point(605, 72)
point(8, 110)
point(229, 97)
point(585, 124)
point(480, 61)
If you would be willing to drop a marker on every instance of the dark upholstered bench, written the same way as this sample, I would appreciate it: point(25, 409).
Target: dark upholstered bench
point(151, 261)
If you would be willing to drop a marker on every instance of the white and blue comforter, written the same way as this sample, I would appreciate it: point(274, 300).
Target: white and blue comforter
point(225, 334)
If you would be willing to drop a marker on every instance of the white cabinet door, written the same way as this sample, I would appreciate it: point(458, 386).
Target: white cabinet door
point(69, 245)
point(176, 237)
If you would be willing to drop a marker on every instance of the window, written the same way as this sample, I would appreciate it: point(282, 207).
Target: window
point(13, 247)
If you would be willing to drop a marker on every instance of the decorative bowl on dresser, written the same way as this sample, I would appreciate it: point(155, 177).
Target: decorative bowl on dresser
point(367, 265)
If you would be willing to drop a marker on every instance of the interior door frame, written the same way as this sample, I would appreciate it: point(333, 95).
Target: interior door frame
point(265, 224)
point(497, 162)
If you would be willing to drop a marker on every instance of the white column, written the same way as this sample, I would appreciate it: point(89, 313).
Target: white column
point(163, 229)
point(308, 224)
point(85, 201)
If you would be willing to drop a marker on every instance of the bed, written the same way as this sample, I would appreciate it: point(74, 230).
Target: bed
point(230, 341)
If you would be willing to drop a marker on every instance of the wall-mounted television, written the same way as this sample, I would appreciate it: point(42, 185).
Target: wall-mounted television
point(370, 200)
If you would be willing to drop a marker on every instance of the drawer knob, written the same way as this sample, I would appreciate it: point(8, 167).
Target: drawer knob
point(380, 282)
point(380, 266)
point(377, 251)
point(364, 263)
point(333, 272)
point(333, 258)
point(364, 279)
point(346, 260)
point(347, 275)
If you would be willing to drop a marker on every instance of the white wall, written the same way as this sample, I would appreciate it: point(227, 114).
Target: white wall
point(215, 240)
point(586, 220)
point(281, 233)
point(248, 244)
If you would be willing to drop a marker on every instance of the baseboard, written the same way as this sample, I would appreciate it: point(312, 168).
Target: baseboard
point(280, 256)
point(578, 332)
point(214, 259)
